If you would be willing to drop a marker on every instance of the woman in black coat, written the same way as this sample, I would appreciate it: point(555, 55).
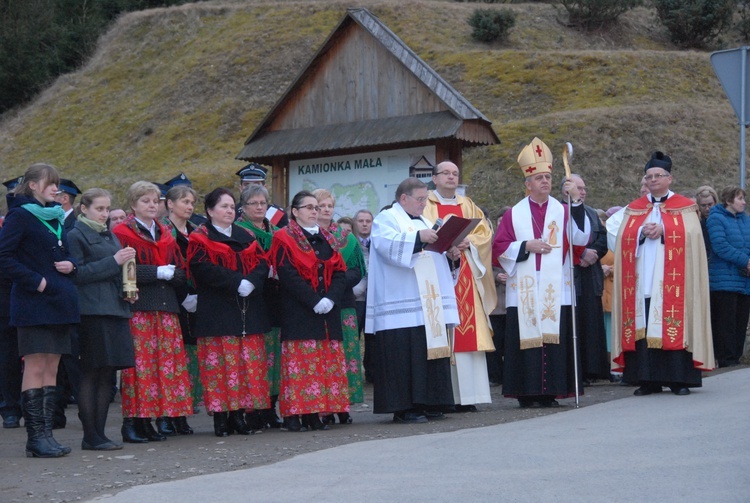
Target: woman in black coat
point(104, 333)
point(44, 304)
point(312, 275)
point(229, 269)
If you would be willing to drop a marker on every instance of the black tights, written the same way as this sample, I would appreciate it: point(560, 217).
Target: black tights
point(93, 403)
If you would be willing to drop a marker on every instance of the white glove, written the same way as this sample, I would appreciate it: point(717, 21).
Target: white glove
point(190, 303)
point(245, 288)
point(360, 288)
point(165, 272)
point(324, 306)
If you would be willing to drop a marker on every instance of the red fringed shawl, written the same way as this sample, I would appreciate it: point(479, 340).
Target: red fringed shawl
point(290, 244)
point(149, 252)
point(221, 254)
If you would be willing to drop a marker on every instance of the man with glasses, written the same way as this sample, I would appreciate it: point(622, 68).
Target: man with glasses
point(661, 330)
point(254, 173)
point(475, 287)
point(532, 246)
point(410, 304)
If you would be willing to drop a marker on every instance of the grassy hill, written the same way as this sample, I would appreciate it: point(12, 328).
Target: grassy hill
point(180, 89)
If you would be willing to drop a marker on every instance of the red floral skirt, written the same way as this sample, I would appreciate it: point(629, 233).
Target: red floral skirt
point(313, 378)
point(159, 384)
point(233, 372)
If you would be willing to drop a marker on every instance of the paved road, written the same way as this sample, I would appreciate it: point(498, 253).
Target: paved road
point(659, 448)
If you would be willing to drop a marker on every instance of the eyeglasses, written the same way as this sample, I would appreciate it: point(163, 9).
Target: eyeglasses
point(422, 199)
point(448, 173)
point(259, 204)
point(648, 178)
point(310, 207)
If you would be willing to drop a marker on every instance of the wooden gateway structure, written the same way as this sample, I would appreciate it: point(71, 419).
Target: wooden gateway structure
point(364, 114)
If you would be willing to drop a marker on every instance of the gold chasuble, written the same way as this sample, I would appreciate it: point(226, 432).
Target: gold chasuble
point(476, 295)
point(678, 317)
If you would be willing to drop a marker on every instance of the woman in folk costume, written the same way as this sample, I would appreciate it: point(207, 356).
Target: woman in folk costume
point(104, 332)
point(229, 269)
point(180, 202)
point(312, 275)
point(356, 270)
point(254, 203)
point(159, 385)
point(531, 244)
point(43, 300)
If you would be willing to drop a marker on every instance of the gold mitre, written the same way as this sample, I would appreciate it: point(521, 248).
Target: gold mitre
point(535, 157)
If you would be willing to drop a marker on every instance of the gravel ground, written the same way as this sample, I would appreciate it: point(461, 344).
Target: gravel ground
point(83, 475)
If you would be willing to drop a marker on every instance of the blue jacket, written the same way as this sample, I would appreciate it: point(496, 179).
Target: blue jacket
point(730, 250)
point(28, 251)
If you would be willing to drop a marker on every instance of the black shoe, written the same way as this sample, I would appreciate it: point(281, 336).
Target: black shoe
point(221, 426)
point(409, 417)
point(466, 408)
point(130, 433)
point(647, 389)
point(181, 425)
point(254, 420)
point(165, 427)
point(236, 422)
point(680, 391)
point(313, 422)
point(148, 431)
point(345, 418)
point(549, 403)
point(292, 423)
point(270, 419)
point(328, 419)
point(104, 446)
point(433, 415)
point(525, 403)
point(11, 421)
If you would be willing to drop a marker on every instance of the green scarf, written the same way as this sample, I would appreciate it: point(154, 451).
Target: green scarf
point(45, 212)
point(263, 236)
point(99, 228)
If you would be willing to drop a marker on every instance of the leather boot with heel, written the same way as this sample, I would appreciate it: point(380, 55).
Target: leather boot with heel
point(52, 404)
point(37, 443)
point(130, 432)
point(221, 428)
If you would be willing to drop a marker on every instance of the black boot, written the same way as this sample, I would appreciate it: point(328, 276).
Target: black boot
point(59, 421)
point(345, 418)
point(181, 425)
point(292, 423)
point(37, 443)
point(237, 422)
point(221, 428)
point(269, 415)
point(255, 420)
point(165, 427)
point(130, 433)
point(52, 404)
point(313, 422)
point(147, 430)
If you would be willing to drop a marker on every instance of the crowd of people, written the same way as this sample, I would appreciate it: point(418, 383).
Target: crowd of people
point(259, 314)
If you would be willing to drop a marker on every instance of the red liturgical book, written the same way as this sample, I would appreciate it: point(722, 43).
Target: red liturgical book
point(453, 231)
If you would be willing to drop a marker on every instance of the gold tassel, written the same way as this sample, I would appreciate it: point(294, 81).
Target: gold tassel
point(536, 342)
point(654, 342)
point(640, 333)
point(551, 338)
point(435, 353)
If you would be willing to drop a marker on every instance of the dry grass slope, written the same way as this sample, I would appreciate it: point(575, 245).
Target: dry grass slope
point(181, 89)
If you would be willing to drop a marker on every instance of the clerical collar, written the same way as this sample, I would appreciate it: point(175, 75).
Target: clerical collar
point(413, 217)
point(445, 200)
point(227, 232)
point(538, 203)
point(150, 228)
point(311, 230)
point(660, 199)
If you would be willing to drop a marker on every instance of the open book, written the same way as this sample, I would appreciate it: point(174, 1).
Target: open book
point(452, 232)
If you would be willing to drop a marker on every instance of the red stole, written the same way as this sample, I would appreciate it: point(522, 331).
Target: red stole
point(673, 305)
point(222, 254)
point(465, 334)
point(149, 252)
point(289, 243)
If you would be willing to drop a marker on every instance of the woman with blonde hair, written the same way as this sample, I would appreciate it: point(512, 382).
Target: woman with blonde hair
point(44, 305)
point(159, 385)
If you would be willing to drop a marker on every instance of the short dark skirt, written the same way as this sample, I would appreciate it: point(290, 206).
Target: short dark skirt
point(106, 342)
point(51, 339)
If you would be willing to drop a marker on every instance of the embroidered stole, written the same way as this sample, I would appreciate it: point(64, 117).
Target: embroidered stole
point(539, 292)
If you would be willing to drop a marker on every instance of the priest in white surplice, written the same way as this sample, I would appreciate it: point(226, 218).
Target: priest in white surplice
point(475, 290)
point(532, 246)
point(411, 305)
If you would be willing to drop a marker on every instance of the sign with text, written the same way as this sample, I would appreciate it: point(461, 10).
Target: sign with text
point(361, 181)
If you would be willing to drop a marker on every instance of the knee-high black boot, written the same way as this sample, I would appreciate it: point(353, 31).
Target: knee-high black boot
point(51, 402)
point(37, 443)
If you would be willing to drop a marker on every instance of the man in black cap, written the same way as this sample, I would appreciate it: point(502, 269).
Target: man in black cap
point(182, 179)
point(66, 196)
point(254, 173)
point(10, 361)
point(661, 330)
